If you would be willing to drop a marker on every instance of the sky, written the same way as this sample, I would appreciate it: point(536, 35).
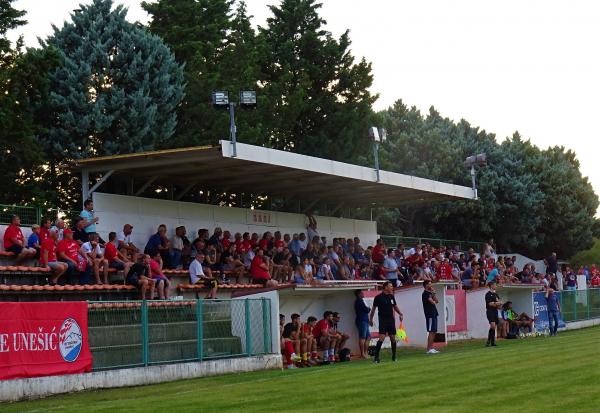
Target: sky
point(526, 65)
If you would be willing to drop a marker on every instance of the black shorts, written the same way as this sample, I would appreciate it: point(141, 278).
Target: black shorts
point(261, 281)
point(492, 316)
point(208, 283)
point(16, 249)
point(387, 327)
point(117, 265)
point(132, 280)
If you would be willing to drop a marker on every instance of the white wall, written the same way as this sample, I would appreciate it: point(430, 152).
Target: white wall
point(146, 214)
point(477, 323)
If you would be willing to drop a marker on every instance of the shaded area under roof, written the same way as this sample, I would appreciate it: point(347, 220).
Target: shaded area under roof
point(270, 172)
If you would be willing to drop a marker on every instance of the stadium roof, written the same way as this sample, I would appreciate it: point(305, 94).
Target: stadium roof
point(271, 172)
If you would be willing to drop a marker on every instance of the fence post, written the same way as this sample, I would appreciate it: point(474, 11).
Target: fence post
point(38, 215)
point(266, 326)
point(248, 336)
point(145, 346)
point(588, 302)
point(199, 329)
point(575, 305)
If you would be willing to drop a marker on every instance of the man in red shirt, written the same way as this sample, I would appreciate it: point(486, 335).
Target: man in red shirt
point(116, 259)
point(14, 241)
point(324, 339)
point(259, 271)
point(379, 252)
point(445, 270)
point(67, 251)
point(45, 230)
point(48, 257)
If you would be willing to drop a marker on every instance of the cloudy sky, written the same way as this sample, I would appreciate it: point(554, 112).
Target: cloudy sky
point(531, 66)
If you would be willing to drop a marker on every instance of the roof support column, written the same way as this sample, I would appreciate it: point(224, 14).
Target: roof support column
point(146, 185)
point(185, 190)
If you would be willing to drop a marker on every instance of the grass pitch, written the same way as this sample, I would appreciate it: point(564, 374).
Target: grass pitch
point(559, 374)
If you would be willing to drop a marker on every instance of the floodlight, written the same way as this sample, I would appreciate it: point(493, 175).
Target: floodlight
point(476, 160)
point(374, 134)
point(248, 98)
point(220, 99)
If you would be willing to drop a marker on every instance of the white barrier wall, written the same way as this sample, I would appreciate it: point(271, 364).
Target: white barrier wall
point(146, 214)
point(477, 323)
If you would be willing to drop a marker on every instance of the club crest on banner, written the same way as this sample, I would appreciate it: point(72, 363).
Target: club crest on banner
point(70, 340)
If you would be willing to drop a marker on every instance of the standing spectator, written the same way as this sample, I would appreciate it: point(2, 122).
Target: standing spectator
point(390, 268)
point(95, 258)
point(431, 314)
point(14, 241)
point(139, 277)
point(197, 276)
point(551, 264)
point(386, 305)
point(89, 220)
point(296, 246)
point(553, 310)
point(48, 258)
point(311, 228)
point(125, 245)
point(116, 259)
point(362, 323)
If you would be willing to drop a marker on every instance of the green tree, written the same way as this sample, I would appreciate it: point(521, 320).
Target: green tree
point(318, 95)
point(116, 88)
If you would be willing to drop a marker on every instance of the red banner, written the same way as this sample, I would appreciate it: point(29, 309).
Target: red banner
point(456, 310)
point(43, 339)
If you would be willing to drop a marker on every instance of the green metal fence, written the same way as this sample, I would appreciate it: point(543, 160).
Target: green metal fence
point(580, 304)
point(142, 333)
point(33, 215)
point(394, 240)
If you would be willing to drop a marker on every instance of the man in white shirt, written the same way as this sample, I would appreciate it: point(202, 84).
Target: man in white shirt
point(93, 253)
point(127, 247)
point(197, 276)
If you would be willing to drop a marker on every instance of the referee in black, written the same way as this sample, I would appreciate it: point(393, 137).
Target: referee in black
point(385, 303)
point(492, 304)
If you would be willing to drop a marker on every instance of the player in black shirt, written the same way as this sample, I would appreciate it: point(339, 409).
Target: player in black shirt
point(492, 304)
point(385, 303)
point(431, 314)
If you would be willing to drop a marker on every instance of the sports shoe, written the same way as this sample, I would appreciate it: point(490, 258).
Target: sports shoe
point(291, 366)
point(332, 359)
point(432, 351)
point(297, 358)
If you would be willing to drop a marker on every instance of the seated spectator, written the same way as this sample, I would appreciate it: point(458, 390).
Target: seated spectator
point(259, 271)
point(390, 268)
point(45, 230)
point(295, 245)
point(570, 280)
point(232, 264)
point(277, 241)
point(34, 242)
point(303, 242)
point(159, 244)
point(346, 269)
point(299, 275)
point(324, 272)
point(493, 275)
point(95, 259)
point(14, 241)
point(67, 251)
point(340, 337)
point(595, 281)
point(512, 322)
point(226, 241)
point(160, 280)
point(378, 254)
point(282, 269)
point(59, 227)
point(197, 276)
point(325, 341)
point(180, 248)
point(139, 276)
point(216, 241)
point(116, 259)
point(48, 258)
point(125, 245)
point(79, 234)
point(311, 343)
point(291, 335)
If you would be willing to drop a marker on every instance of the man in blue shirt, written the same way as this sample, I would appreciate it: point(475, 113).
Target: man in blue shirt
point(87, 214)
point(553, 310)
point(362, 323)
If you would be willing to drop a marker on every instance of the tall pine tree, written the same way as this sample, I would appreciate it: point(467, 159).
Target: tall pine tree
point(116, 88)
point(319, 95)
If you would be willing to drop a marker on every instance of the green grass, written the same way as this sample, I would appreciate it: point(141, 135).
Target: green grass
point(560, 374)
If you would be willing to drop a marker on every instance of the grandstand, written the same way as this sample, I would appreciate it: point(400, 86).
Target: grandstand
point(125, 332)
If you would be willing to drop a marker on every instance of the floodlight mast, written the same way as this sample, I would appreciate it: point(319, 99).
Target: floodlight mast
point(471, 162)
point(220, 100)
point(377, 135)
